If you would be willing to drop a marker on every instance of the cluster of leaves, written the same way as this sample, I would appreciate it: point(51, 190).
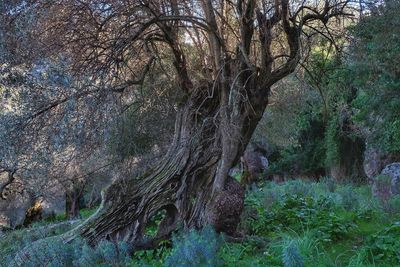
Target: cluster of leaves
point(319, 223)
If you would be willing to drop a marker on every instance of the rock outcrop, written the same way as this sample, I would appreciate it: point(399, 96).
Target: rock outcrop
point(393, 171)
point(376, 160)
point(387, 184)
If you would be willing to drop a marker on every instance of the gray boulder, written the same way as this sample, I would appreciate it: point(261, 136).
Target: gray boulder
point(387, 184)
point(254, 164)
point(376, 160)
point(393, 171)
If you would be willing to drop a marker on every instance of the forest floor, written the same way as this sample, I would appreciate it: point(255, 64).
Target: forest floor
point(296, 223)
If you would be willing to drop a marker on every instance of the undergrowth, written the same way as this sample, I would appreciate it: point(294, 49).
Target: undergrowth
point(294, 224)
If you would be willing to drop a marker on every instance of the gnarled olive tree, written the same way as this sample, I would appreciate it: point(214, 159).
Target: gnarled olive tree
point(226, 56)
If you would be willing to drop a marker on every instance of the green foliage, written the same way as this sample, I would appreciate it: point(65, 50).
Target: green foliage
point(332, 141)
point(323, 125)
point(382, 187)
point(14, 241)
point(392, 205)
point(48, 252)
point(307, 155)
point(330, 183)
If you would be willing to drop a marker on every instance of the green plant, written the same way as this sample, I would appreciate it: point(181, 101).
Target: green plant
point(381, 187)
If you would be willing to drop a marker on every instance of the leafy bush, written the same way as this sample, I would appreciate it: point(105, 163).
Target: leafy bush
point(296, 213)
point(47, 252)
point(375, 68)
point(195, 249)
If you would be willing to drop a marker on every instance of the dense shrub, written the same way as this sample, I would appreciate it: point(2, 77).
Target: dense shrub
point(392, 205)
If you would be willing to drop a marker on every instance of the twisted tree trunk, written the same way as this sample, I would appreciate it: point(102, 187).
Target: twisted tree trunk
point(190, 183)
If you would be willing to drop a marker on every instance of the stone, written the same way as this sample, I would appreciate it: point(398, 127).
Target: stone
point(387, 184)
point(375, 161)
point(393, 171)
point(254, 164)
